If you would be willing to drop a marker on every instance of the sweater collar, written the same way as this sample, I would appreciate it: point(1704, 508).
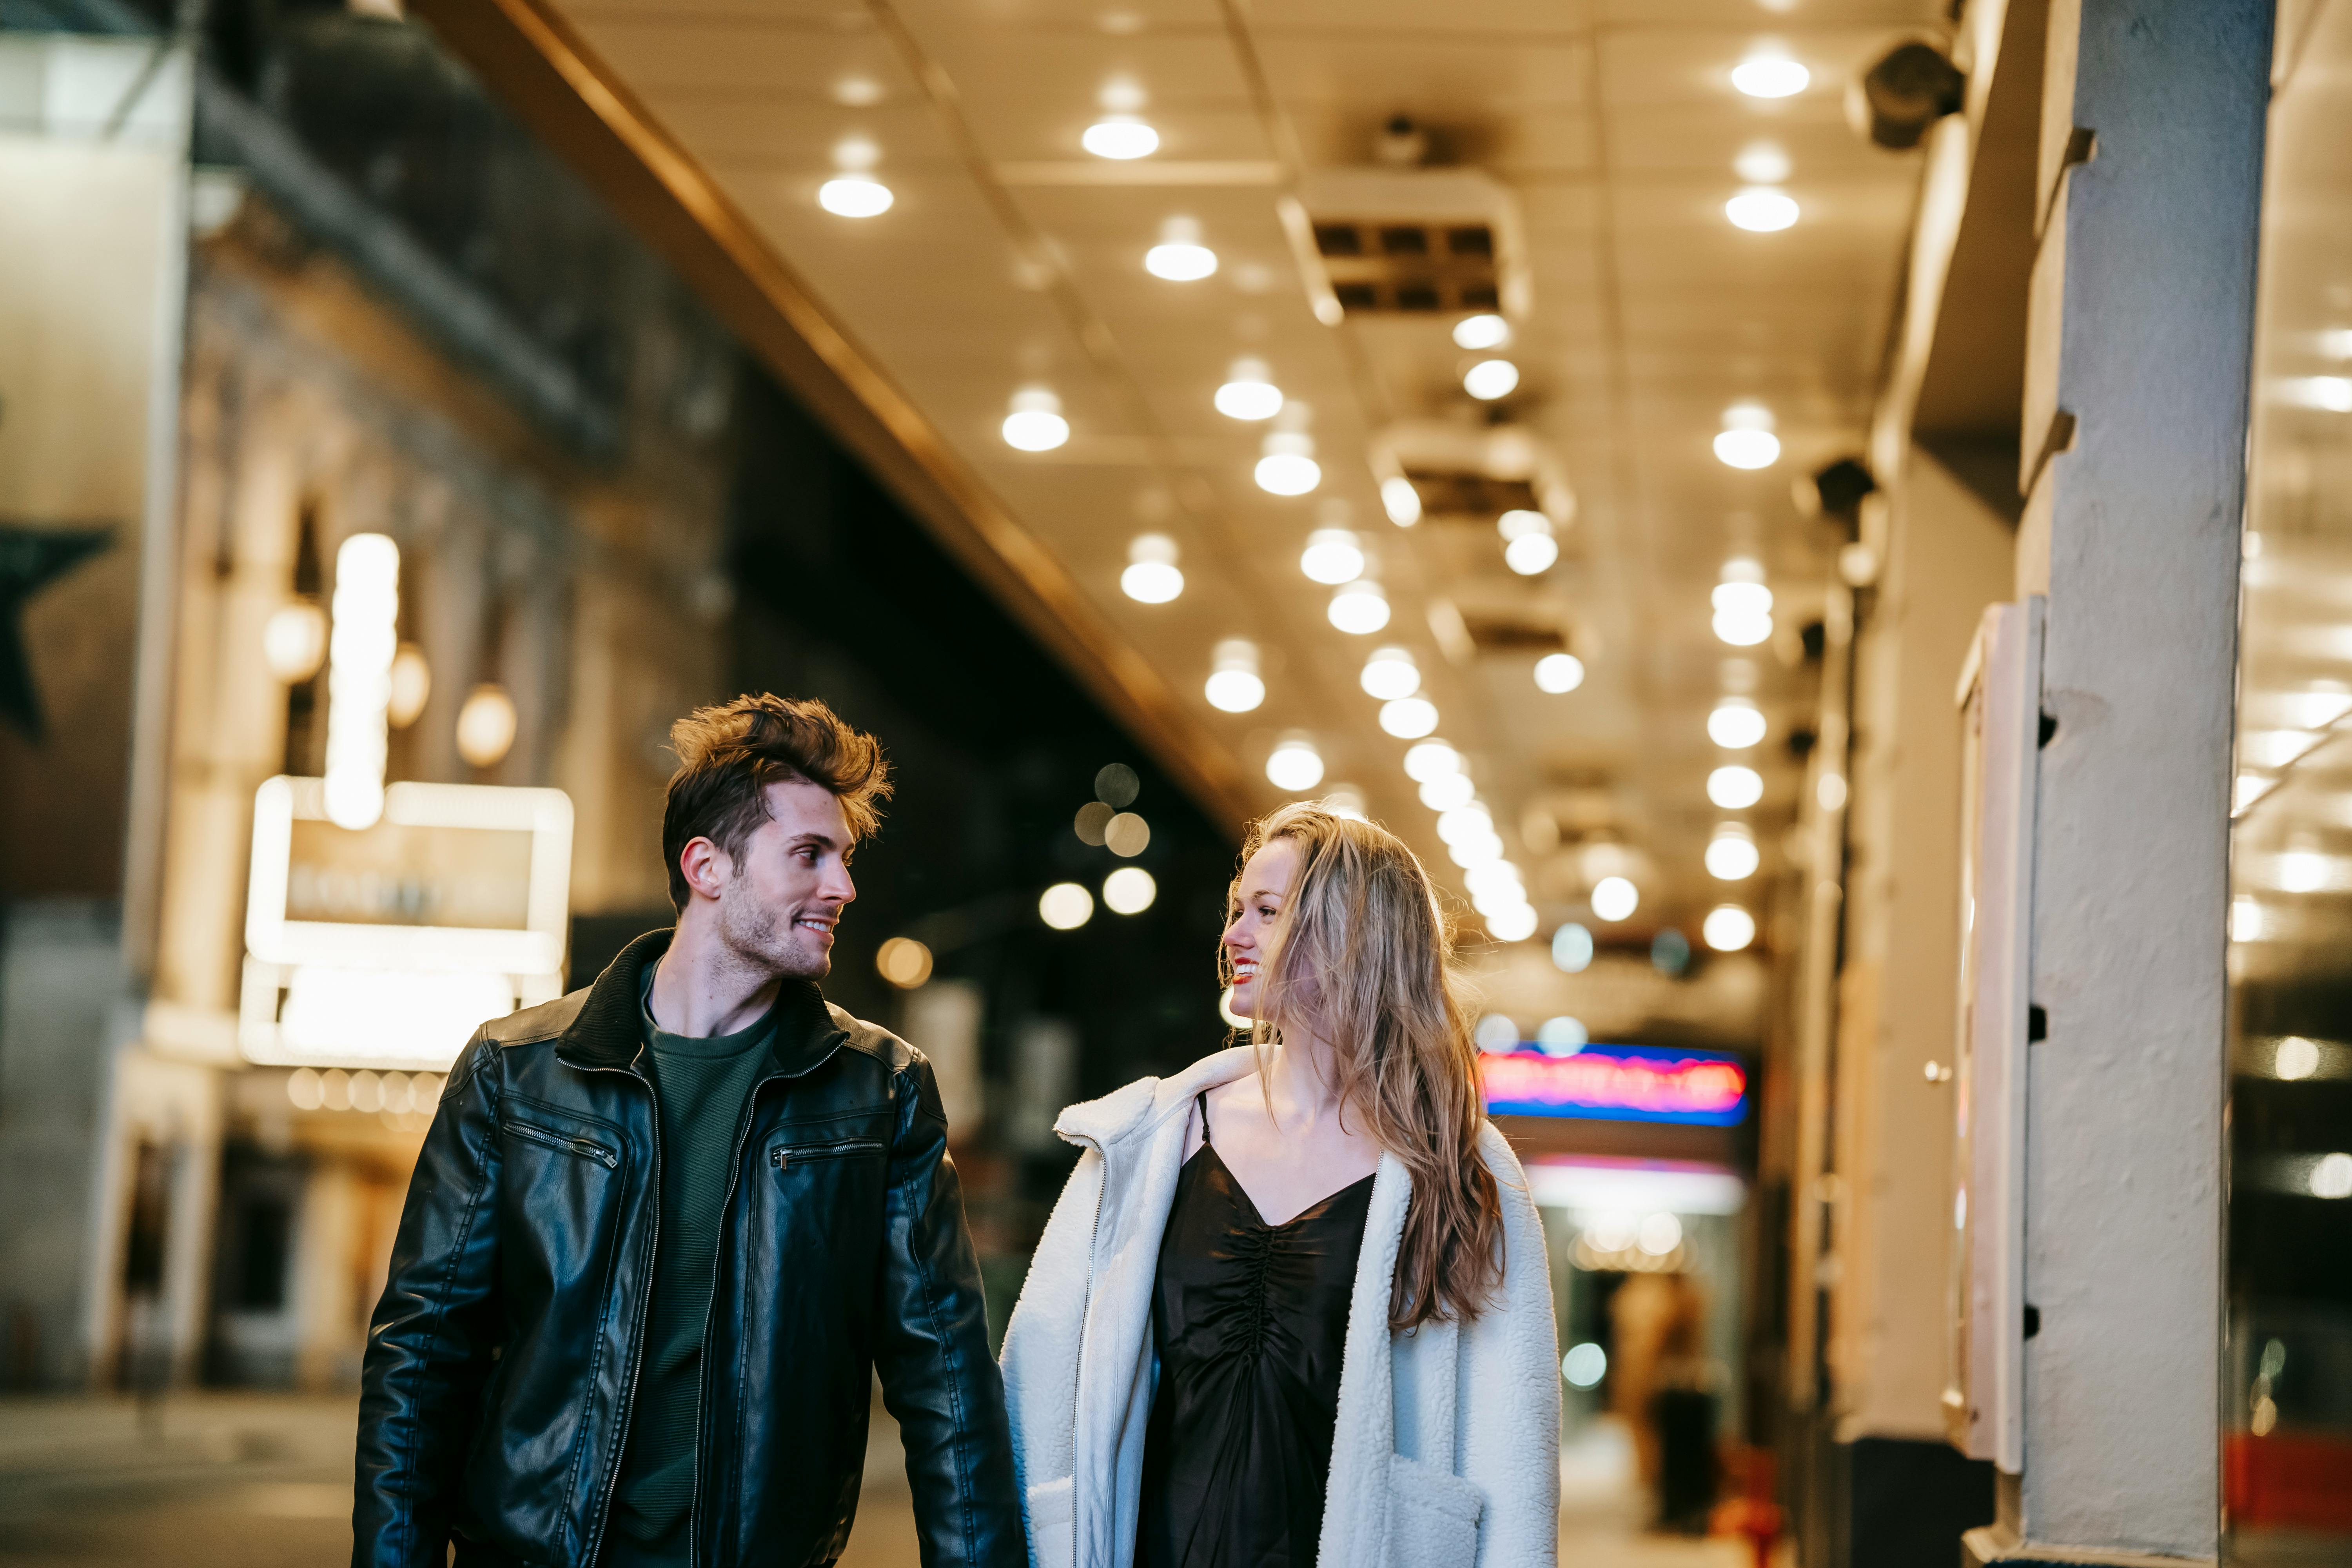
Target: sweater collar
point(608, 1032)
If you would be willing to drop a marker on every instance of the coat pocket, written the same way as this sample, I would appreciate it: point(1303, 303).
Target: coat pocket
point(1053, 1523)
point(1432, 1516)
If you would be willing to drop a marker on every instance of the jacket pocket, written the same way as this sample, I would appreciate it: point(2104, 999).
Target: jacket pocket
point(784, 1156)
point(1432, 1516)
point(565, 1143)
point(1052, 1524)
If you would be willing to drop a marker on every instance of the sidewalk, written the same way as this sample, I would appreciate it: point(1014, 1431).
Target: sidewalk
point(230, 1480)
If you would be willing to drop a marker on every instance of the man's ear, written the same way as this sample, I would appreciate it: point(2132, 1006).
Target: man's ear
point(706, 866)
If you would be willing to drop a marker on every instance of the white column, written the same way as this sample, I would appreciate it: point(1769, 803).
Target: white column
point(2134, 444)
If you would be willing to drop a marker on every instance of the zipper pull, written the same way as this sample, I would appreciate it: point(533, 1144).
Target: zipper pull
point(776, 1159)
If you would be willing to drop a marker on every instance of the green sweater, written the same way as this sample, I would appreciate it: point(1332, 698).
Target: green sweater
point(701, 1088)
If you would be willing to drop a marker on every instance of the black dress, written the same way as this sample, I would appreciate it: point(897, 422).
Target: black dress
point(1250, 1322)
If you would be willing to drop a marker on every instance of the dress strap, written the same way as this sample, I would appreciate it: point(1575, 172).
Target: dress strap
point(1201, 1101)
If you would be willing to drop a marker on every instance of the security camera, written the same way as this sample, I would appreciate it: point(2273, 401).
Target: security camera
point(1911, 87)
point(1835, 491)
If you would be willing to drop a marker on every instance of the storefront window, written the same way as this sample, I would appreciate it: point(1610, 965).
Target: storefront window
point(2288, 1362)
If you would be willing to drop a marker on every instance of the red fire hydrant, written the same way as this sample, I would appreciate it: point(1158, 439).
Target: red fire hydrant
point(1752, 1513)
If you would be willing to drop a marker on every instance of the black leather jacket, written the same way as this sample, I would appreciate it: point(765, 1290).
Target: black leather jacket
point(502, 1360)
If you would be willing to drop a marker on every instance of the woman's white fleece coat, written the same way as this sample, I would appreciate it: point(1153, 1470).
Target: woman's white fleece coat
point(1446, 1453)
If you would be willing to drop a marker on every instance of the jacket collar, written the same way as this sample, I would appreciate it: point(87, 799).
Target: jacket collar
point(1139, 1108)
point(606, 1032)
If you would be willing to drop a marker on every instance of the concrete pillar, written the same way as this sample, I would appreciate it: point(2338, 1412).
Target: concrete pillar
point(2134, 430)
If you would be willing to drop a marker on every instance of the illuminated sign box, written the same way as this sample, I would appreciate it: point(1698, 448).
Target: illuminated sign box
point(1617, 1083)
point(386, 946)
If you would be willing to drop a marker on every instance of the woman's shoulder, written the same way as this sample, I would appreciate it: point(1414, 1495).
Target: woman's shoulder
point(1144, 1103)
point(1501, 1159)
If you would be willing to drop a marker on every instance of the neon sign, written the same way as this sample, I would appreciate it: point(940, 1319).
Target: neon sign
point(1617, 1083)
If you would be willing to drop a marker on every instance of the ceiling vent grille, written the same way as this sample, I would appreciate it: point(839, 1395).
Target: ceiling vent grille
point(1457, 497)
point(1379, 265)
point(1501, 632)
point(1474, 474)
point(1415, 241)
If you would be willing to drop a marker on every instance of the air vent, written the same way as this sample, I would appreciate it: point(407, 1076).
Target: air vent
point(1453, 497)
point(1375, 265)
point(1502, 632)
point(1417, 241)
point(1476, 473)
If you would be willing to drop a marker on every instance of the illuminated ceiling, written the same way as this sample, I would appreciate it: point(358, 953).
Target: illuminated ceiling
point(1595, 144)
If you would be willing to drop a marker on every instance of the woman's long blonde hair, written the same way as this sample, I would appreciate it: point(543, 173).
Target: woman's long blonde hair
point(1365, 951)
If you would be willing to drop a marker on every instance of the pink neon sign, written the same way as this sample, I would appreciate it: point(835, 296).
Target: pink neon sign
point(1638, 1083)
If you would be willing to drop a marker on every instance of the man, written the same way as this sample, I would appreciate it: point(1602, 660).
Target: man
point(665, 1231)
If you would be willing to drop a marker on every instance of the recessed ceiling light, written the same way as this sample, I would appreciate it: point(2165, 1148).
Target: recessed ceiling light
point(1770, 75)
point(1515, 924)
point(1748, 449)
point(1235, 685)
point(1747, 440)
point(1736, 723)
point(1761, 209)
point(1614, 899)
point(1332, 556)
point(1287, 467)
point(1294, 765)
point(1400, 501)
point(1728, 927)
point(1731, 855)
point(1743, 608)
point(1409, 718)
point(1471, 853)
point(1036, 423)
point(1447, 791)
point(1391, 673)
point(1761, 163)
point(1529, 547)
point(1359, 609)
point(1151, 576)
point(855, 195)
point(1179, 257)
point(1490, 379)
point(1496, 877)
point(1248, 392)
point(1464, 821)
point(1120, 137)
point(857, 91)
point(1480, 332)
point(1432, 760)
point(1558, 672)
point(1734, 788)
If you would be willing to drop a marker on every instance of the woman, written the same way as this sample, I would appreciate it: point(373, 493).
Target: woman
point(1292, 1307)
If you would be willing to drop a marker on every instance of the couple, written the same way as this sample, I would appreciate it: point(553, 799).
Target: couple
point(1292, 1308)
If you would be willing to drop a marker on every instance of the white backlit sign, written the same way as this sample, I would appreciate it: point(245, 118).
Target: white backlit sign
point(388, 945)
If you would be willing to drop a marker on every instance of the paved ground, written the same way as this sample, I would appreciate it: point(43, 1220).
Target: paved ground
point(265, 1481)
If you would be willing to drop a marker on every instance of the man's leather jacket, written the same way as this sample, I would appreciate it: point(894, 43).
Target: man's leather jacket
point(502, 1360)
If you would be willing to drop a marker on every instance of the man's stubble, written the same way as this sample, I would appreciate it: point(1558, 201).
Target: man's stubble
point(765, 942)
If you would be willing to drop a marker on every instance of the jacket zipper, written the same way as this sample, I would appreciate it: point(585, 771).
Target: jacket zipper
point(710, 1306)
point(628, 1411)
point(532, 1133)
point(1077, 1375)
point(782, 1156)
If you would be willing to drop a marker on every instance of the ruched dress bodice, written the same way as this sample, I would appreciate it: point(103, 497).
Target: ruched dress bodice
point(1250, 1322)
